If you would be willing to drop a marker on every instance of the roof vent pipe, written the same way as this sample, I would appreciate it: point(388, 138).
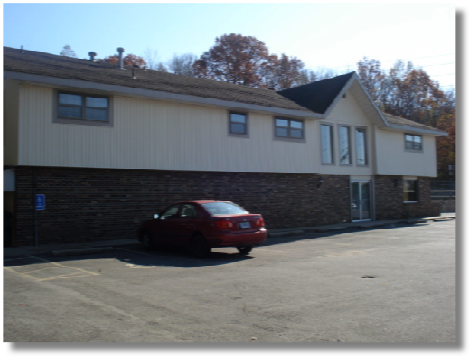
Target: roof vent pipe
point(92, 55)
point(120, 63)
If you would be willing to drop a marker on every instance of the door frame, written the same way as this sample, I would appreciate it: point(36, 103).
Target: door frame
point(370, 191)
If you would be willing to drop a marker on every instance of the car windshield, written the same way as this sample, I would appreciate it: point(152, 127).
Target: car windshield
point(224, 208)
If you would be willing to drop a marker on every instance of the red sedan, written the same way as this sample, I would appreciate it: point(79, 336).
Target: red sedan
point(203, 225)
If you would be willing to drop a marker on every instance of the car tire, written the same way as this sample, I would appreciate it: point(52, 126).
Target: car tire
point(200, 247)
point(148, 241)
point(244, 250)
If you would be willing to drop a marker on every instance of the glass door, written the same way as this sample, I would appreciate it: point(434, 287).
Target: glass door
point(361, 200)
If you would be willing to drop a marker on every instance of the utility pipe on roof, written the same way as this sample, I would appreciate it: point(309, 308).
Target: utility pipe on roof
point(120, 63)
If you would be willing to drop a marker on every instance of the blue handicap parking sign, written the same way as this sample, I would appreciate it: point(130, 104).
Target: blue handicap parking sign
point(40, 202)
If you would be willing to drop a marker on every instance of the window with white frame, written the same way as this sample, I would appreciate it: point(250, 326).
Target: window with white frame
point(344, 145)
point(327, 145)
point(361, 146)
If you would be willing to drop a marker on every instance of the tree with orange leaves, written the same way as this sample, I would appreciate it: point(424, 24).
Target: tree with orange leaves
point(234, 58)
point(129, 60)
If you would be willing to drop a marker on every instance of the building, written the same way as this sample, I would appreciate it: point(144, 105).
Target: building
point(110, 146)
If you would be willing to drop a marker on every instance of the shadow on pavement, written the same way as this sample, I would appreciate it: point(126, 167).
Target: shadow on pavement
point(138, 256)
point(348, 230)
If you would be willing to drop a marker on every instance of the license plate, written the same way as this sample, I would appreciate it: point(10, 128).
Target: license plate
point(244, 225)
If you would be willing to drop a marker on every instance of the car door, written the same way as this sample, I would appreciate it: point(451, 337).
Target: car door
point(186, 224)
point(166, 227)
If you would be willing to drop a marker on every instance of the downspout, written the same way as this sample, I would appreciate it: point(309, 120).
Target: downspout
point(35, 212)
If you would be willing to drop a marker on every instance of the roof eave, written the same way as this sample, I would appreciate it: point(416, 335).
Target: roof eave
point(394, 127)
point(155, 94)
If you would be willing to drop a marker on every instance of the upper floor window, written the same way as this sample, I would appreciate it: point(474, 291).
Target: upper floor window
point(327, 145)
point(238, 123)
point(344, 145)
point(83, 108)
point(289, 128)
point(413, 142)
point(361, 146)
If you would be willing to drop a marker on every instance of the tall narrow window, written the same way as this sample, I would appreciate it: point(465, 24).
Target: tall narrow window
point(361, 146)
point(344, 145)
point(326, 144)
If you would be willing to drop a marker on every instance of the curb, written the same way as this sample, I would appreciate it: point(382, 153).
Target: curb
point(371, 225)
point(285, 233)
point(81, 251)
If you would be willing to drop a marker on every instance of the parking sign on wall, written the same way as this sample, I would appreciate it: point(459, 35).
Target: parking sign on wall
point(40, 202)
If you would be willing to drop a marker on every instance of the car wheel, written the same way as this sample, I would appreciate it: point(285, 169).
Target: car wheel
point(200, 246)
point(244, 250)
point(148, 241)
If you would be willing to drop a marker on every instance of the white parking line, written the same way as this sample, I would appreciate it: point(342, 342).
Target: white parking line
point(52, 269)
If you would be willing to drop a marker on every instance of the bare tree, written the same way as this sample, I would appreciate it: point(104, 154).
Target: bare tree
point(150, 57)
point(68, 52)
point(182, 64)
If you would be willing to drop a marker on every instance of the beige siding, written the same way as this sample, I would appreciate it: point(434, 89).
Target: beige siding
point(348, 113)
point(10, 122)
point(392, 159)
point(148, 134)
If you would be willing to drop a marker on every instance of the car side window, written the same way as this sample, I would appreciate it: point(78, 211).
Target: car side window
point(170, 213)
point(188, 211)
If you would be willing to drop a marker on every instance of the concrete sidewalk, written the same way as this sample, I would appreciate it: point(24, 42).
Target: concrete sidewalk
point(108, 245)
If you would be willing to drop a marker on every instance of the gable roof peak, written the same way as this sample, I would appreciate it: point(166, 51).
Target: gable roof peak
point(320, 95)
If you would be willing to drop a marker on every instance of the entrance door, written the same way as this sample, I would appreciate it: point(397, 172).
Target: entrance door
point(361, 200)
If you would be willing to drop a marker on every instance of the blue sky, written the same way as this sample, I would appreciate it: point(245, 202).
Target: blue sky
point(326, 35)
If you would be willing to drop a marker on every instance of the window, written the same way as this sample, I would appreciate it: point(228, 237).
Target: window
point(327, 153)
point(83, 108)
point(224, 208)
point(361, 146)
point(171, 212)
point(188, 211)
point(410, 190)
point(413, 142)
point(238, 124)
point(344, 144)
point(289, 128)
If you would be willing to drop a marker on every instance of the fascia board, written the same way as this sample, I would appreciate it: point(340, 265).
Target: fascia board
point(349, 83)
point(377, 109)
point(344, 89)
point(154, 94)
point(339, 96)
point(394, 127)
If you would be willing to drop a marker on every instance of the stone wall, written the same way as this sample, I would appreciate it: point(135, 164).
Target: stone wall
point(95, 204)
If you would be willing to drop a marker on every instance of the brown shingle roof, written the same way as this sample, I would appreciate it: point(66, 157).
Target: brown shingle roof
point(399, 121)
point(46, 64)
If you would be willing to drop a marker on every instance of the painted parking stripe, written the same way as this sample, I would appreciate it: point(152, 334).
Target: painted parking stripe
point(43, 274)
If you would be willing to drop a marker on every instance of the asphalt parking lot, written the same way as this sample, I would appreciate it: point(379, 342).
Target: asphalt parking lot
point(393, 284)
